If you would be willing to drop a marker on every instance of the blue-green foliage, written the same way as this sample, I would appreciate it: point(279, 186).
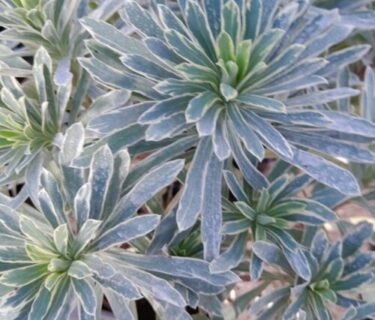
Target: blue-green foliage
point(167, 150)
point(337, 269)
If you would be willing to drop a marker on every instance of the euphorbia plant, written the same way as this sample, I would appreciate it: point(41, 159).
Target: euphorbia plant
point(32, 116)
point(337, 269)
point(242, 77)
point(160, 152)
point(70, 249)
point(270, 214)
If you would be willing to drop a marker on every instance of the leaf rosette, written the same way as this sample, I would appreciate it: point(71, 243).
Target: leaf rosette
point(275, 214)
point(338, 271)
point(70, 246)
point(31, 118)
point(244, 75)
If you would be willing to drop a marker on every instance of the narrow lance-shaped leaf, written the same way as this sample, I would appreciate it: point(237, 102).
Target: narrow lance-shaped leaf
point(101, 170)
point(145, 189)
point(86, 295)
point(211, 209)
point(325, 172)
point(126, 231)
point(192, 197)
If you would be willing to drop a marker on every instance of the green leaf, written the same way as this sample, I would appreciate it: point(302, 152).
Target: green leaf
point(230, 258)
point(192, 197)
point(349, 124)
point(113, 38)
point(52, 279)
point(211, 218)
point(190, 268)
point(171, 21)
point(199, 105)
point(235, 187)
point(72, 144)
point(36, 233)
point(142, 20)
point(237, 226)
point(87, 232)
point(325, 172)
point(272, 255)
point(226, 47)
point(121, 308)
point(86, 294)
point(14, 255)
point(148, 68)
point(128, 230)
point(23, 276)
point(251, 174)
point(198, 25)
point(228, 92)
point(112, 77)
point(352, 282)
point(38, 254)
point(187, 50)
point(245, 132)
point(231, 20)
point(82, 205)
point(210, 120)
point(40, 304)
point(79, 270)
point(164, 109)
point(54, 217)
point(246, 210)
point(272, 138)
point(321, 97)
point(109, 278)
point(59, 299)
point(58, 265)
point(61, 238)
point(262, 103)
point(298, 262)
point(155, 286)
point(146, 187)
point(101, 169)
point(356, 238)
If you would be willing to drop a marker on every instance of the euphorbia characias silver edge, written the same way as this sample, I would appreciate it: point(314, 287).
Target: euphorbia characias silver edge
point(231, 73)
point(157, 155)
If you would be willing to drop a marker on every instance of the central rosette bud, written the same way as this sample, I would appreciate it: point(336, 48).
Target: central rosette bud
point(228, 70)
point(233, 63)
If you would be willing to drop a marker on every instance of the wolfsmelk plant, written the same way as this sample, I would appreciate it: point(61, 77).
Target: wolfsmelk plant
point(40, 23)
point(52, 24)
point(269, 215)
point(190, 159)
point(337, 269)
point(61, 253)
point(244, 79)
point(359, 13)
point(31, 117)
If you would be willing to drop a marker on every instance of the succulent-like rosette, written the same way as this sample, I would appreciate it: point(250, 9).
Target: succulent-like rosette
point(338, 270)
point(244, 74)
point(69, 250)
point(271, 214)
point(52, 24)
point(39, 23)
point(31, 118)
point(245, 77)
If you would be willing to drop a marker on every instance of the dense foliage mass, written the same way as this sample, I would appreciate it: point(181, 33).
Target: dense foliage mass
point(198, 157)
